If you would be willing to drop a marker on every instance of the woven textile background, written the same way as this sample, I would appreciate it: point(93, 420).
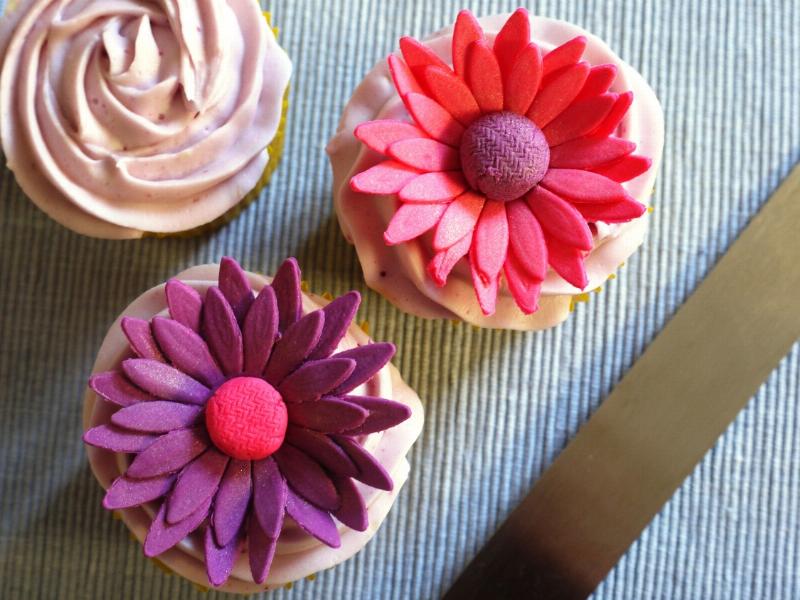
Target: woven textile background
point(500, 405)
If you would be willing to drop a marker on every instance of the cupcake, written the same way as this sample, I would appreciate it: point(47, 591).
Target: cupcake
point(248, 434)
point(496, 170)
point(122, 119)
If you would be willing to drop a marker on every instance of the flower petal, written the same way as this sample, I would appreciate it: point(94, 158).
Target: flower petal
point(219, 559)
point(163, 535)
point(168, 453)
point(564, 55)
point(370, 471)
point(370, 359)
point(379, 135)
point(382, 414)
point(418, 56)
point(599, 81)
point(286, 285)
point(425, 154)
point(523, 287)
point(511, 39)
point(315, 522)
point(110, 437)
point(458, 220)
point(115, 387)
point(485, 288)
point(583, 186)
point(269, 496)
point(559, 219)
point(522, 83)
point(316, 378)
point(466, 31)
point(490, 242)
point(434, 187)
point(259, 331)
point(260, 550)
point(126, 492)
point(327, 415)
point(403, 78)
point(557, 94)
point(626, 169)
point(140, 338)
point(526, 240)
point(579, 118)
point(615, 115)
point(589, 152)
point(164, 381)
point(339, 314)
point(294, 347)
point(307, 478)
point(235, 286)
point(434, 119)
point(452, 93)
point(158, 416)
point(387, 177)
point(567, 262)
point(484, 77)
point(184, 303)
point(187, 351)
point(445, 260)
point(412, 220)
point(197, 483)
point(231, 501)
point(322, 449)
point(222, 332)
point(614, 212)
point(353, 511)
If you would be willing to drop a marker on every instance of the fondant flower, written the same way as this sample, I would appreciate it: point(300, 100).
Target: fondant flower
point(236, 411)
point(510, 157)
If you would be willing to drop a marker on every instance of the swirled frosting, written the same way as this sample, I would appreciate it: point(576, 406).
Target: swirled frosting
point(120, 117)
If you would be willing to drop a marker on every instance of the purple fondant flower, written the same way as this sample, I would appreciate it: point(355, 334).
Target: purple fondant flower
point(237, 412)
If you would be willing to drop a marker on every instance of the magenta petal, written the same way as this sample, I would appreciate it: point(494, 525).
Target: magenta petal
point(184, 303)
point(339, 314)
point(312, 520)
point(306, 477)
point(382, 414)
point(235, 286)
point(222, 332)
point(322, 449)
point(196, 483)
point(140, 338)
point(164, 381)
point(219, 559)
point(315, 378)
point(231, 501)
point(187, 351)
point(158, 416)
point(260, 550)
point(370, 359)
point(163, 536)
point(259, 331)
point(126, 492)
point(269, 496)
point(168, 453)
point(370, 471)
point(294, 347)
point(110, 437)
point(115, 387)
point(287, 292)
point(353, 511)
point(328, 415)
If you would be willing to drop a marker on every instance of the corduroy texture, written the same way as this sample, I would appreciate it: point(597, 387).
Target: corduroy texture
point(500, 405)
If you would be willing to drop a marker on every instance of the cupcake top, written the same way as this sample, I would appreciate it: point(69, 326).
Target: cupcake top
point(124, 117)
point(256, 437)
point(508, 160)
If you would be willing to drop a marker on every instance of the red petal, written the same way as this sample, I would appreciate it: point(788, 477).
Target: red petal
point(599, 81)
point(579, 119)
point(583, 186)
point(425, 154)
point(379, 135)
point(588, 152)
point(485, 289)
point(558, 94)
point(435, 120)
point(616, 212)
point(434, 187)
point(563, 56)
point(444, 262)
point(526, 240)
point(412, 220)
point(418, 56)
point(512, 38)
point(453, 94)
point(559, 219)
point(523, 80)
point(490, 242)
point(404, 80)
point(522, 286)
point(625, 169)
point(466, 31)
point(567, 262)
point(458, 220)
point(388, 177)
point(615, 115)
point(484, 78)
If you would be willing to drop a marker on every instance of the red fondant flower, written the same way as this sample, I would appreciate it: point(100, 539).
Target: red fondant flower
point(510, 156)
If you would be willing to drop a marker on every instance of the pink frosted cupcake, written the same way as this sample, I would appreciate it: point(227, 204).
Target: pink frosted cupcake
point(248, 434)
point(496, 170)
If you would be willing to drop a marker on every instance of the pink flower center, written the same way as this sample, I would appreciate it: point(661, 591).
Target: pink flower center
point(246, 418)
point(504, 155)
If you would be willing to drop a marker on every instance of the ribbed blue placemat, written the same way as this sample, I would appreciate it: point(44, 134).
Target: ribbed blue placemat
point(500, 405)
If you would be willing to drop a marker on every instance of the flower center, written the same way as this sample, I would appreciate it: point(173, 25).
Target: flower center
point(246, 418)
point(504, 155)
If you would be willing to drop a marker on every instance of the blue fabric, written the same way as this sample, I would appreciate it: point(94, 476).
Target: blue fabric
point(500, 405)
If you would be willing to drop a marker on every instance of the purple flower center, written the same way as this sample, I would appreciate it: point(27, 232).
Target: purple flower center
point(504, 155)
point(246, 418)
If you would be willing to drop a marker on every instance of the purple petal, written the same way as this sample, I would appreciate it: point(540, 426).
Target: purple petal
point(295, 345)
point(222, 332)
point(383, 414)
point(110, 437)
point(185, 304)
point(269, 496)
point(158, 416)
point(115, 387)
point(307, 478)
point(235, 286)
point(219, 559)
point(230, 504)
point(370, 358)
point(328, 415)
point(353, 511)
point(320, 447)
point(163, 536)
point(312, 520)
point(164, 381)
point(315, 378)
point(187, 351)
point(140, 338)
point(168, 453)
point(126, 492)
point(370, 471)
point(196, 483)
point(261, 551)
point(259, 331)
point(286, 284)
point(339, 313)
